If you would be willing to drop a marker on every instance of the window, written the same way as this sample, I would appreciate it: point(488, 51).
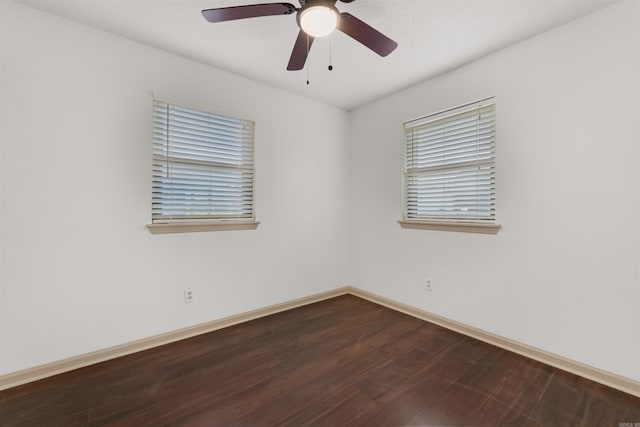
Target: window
point(202, 171)
point(449, 170)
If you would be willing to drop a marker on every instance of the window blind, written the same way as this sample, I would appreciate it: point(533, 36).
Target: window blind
point(449, 166)
point(202, 165)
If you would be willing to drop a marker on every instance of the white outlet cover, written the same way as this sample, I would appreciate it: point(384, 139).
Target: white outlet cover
point(429, 285)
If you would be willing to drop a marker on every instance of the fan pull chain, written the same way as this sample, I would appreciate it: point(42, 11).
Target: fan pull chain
point(330, 55)
point(307, 61)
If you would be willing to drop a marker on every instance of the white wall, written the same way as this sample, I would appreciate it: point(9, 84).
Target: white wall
point(80, 271)
point(1, 228)
point(563, 274)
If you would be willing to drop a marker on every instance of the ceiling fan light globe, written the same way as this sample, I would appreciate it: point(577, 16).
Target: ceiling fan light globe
point(319, 21)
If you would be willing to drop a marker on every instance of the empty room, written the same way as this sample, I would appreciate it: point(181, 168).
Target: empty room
point(320, 212)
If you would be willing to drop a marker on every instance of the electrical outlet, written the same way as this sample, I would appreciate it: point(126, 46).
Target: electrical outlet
point(188, 295)
point(428, 286)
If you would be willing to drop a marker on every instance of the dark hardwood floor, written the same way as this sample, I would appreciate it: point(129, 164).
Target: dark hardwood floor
point(344, 361)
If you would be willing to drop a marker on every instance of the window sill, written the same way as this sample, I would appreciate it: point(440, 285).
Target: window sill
point(461, 227)
point(193, 227)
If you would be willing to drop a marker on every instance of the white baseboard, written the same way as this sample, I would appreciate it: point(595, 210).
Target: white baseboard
point(609, 379)
point(58, 367)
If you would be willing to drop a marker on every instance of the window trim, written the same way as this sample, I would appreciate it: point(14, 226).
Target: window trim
point(455, 226)
point(480, 226)
point(193, 227)
point(211, 224)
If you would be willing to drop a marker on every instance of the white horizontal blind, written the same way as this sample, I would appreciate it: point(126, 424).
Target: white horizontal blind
point(202, 165)
point(449, 166)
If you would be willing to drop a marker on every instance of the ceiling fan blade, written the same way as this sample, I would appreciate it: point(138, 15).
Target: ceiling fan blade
point(300, 51)
point(249, 11)
point(366, 34)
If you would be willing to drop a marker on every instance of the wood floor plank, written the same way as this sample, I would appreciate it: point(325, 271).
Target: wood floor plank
point(343, 361)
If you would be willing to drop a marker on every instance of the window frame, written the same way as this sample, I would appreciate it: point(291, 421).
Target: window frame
point(186, 225)
point(482, 226)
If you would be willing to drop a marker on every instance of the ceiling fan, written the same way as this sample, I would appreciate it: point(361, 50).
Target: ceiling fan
point(316, 18)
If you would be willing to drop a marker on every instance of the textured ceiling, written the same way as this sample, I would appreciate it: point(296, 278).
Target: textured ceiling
point(433, 36)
